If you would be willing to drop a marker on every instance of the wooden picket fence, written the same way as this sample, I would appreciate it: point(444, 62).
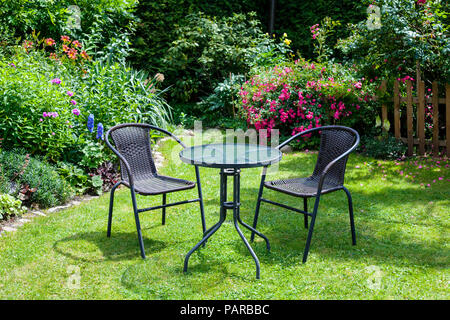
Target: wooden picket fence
point(417, 137)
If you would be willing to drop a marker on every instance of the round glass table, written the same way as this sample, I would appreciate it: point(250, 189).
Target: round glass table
point(230, 159)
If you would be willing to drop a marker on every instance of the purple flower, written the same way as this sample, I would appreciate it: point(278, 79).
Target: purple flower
point(76, 111)
point(12, 65)
point(73, 102)
point(69, 93)
point(50, 114)
point(90, 123)
point(100, 131)
point(56, 81)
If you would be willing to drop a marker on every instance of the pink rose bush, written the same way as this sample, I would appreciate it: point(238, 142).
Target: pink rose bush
point(299, 96)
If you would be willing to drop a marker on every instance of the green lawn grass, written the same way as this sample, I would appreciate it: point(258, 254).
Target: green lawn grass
point(402, 252)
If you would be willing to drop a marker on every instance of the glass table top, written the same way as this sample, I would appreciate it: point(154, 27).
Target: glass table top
point(230, 155)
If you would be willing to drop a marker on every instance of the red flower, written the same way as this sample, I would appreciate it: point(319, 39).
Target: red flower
point(84, 55)
point(72, 54)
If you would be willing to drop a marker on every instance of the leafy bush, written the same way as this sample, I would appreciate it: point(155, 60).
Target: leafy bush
point(50, 93)
point(380, 147)
point(31, 180)
point(99, 180)
point(221, 100)
point(298, 96)
point(33, 110)
point(160, 19)
point(99, 21)
point(109, 175)
point(10, 207)
point(407, 32)
point(294, 17)
point(208, 49)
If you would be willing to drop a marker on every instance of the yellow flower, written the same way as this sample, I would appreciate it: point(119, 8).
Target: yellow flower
point(284, 35)
point(287, 41)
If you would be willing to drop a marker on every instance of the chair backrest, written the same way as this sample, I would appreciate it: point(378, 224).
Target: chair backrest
point(334, 141)
point(132, 141)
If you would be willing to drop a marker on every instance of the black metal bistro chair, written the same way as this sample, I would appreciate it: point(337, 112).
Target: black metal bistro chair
point(138, 172)
point(336, 143)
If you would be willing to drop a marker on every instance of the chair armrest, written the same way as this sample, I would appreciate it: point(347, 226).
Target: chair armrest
point(297, 136)
point(169, 134)
point(124, 161)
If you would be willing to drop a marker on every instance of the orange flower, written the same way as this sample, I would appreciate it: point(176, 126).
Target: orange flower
point(84, 55)
point(72, 54)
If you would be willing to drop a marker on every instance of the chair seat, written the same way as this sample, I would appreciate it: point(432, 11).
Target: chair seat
point(156, 184)
point(301, 187)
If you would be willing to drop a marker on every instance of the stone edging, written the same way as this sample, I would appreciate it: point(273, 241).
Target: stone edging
point(13, 225)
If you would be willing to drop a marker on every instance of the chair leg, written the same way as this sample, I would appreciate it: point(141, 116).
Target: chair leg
point(111, 205)
point(305, 208)
point(164, 198)
point(311, 228)
point(138, 225)
point(350, 210)
point(258, 202)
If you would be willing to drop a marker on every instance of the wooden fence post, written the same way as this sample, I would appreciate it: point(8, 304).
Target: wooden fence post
point(421, 117)
point(396, 110)
point(384, 115)
point(418, 81)
point(409, 117)
point(435, 103)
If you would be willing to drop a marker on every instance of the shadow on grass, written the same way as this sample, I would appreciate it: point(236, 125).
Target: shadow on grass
point(161, 276)
point(97, 247)
point(378, 235)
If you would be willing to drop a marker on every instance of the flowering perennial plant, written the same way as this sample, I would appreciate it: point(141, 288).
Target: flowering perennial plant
point(299, 96)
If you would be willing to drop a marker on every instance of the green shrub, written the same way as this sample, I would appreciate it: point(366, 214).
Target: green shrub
point(10, 207)
point(295, 18)
point(31, 180)
point(387, 147)
point(208, 49)
point(100, 20)
point(221, 100)
point(408, 32)
point(28, 97)
point(299, 95)
point(159, 20)
point(50, 119)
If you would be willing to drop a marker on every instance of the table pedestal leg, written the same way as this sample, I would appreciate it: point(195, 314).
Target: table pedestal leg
point(224, 205)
